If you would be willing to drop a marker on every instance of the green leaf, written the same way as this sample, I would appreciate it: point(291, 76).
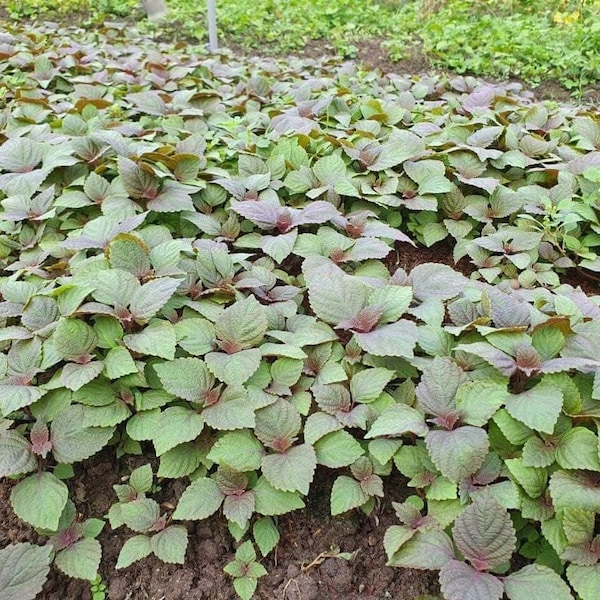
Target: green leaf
point(14, 397)
point(118, 363)
point(170, 544)
point(397, 420)
point(75, 376)
point(266, 535)
point(578, 525)
point(439, 385)
point(319, 424)
point(270, 501)
point(585, 580)
point(402, 146)
point(129, 253)
point(233, 410)
point(536, 582)
point(196, 336)
point(242, 325)
point(396, 339)
point(477, 401)
point(346, 494)
point(458, 453)
point(134, 549)
point(279, 247)
point(578, 449)
point(334, 296)
point(15, 454)
point(201, 499)
point(514, 431)
point(186, 378)
point(180, 461)
point(24, 569)
point(234, 369)
point(367, 385)
point(140, 515)
point(531, 479)
point(548, 341)
point(292, 470)
point(71, 440)
point(429, 174)
point(337, 449)
point(278, 424)
point(395, 537)
point(239, 450)
point(141, 478)
point(575, 489)
point(245, 587)
point(286, 371)
point(73, 339)
point(425, 550)
point(156, 339)
point(39, 500)
point(538, 408)
point(178, 425)
point(81, 560)
point(148, 299)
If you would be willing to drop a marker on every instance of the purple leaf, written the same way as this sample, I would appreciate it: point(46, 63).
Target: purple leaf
point(459, 581)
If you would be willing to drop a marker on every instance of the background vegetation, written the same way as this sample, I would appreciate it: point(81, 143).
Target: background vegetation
point(480, 37)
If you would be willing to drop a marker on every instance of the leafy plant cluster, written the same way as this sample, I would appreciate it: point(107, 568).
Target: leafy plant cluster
point(494, 39)
point(202, 264)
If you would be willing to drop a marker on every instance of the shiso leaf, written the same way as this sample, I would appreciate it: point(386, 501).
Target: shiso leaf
point(186, 378)
point(346, 494)
point(396, 420)
point(24, 568)
point(538, 582)
point(16, 454)
point(439, 384)
point(396, 339)
point(334, 296)
point(234, 369)
point(575, 489)
point(337, 449)
point(81, 560)
point(242, 325)
point(458, 453)
point(156, 339)
point(425, 550)
point(270, 501)
point(72, 440)
point(201, 499)
point(170, 544)
point(266, 535)
point(460, 581)
point(39, 500)
point(538, 407)
point(292, 470)
point(585, 580)
point(484, 533)
point(134, 549)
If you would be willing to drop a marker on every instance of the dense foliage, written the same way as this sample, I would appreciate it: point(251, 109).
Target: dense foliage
point(499, 39)
point(202, 262)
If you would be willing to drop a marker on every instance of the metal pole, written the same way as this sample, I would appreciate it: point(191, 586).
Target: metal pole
point(213, 44)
